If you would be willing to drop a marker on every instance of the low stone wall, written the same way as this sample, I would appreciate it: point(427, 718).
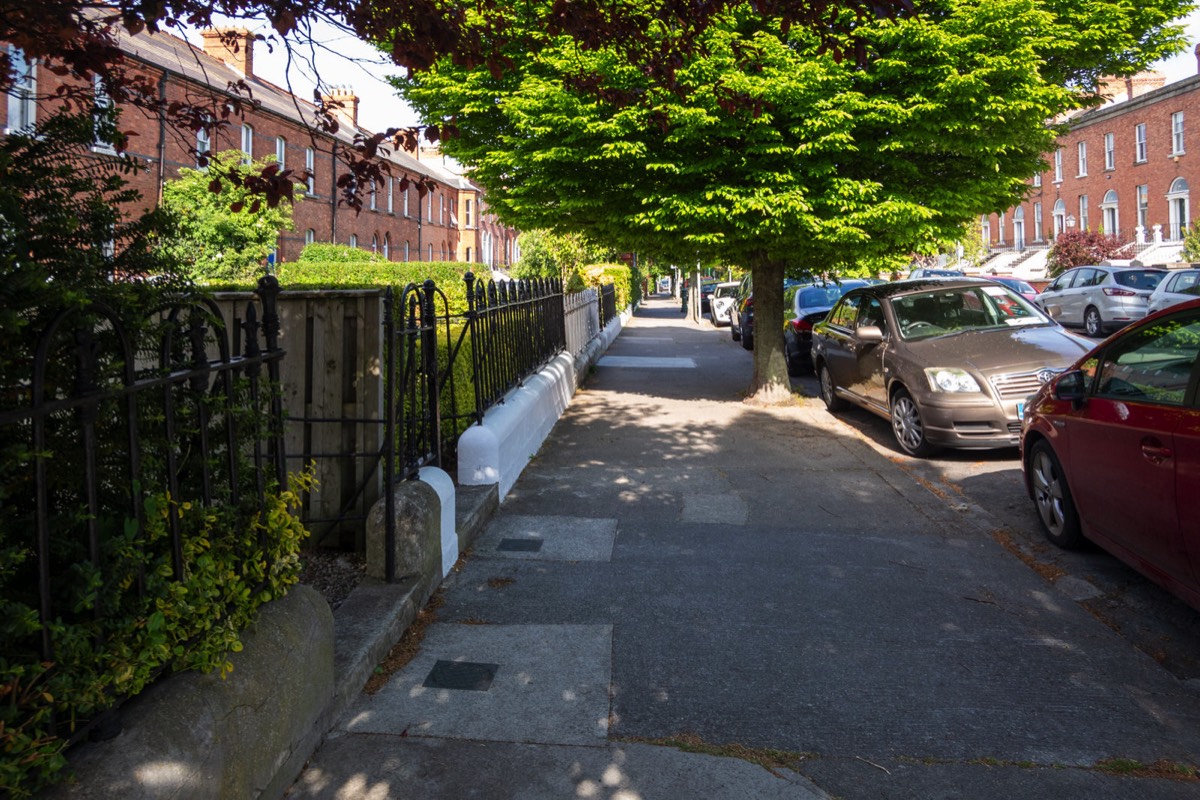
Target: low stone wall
point(197, 735)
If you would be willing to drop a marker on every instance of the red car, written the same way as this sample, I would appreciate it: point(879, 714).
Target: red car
point(1111, 450)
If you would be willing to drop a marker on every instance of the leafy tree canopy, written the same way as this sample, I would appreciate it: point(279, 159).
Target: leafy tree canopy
point(223, 234)
point(768, 150)
point(545, 254)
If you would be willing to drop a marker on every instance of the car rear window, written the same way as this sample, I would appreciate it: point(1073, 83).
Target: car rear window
point(820, 296)
point(1138, 278)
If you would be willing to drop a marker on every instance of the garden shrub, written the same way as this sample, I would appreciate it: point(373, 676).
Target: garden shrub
point(627, 281)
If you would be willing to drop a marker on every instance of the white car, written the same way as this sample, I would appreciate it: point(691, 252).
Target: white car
point(721, 302)
point(1177, 287)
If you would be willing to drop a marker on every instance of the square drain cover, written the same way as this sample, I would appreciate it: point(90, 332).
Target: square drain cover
point(520, 545)
point(467, 675)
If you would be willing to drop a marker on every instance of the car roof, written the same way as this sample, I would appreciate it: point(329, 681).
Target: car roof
point(1115, 268)
point(917, 285)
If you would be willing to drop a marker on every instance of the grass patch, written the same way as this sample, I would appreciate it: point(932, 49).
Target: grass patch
point(1163, 768)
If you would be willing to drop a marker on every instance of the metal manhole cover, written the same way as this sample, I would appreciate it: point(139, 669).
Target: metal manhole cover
point(466, 675)
point(520, 545)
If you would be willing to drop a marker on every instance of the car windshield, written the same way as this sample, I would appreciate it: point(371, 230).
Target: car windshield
point(924, 315)
point(1139, 278)
point(725, 291)
point(1019, 286)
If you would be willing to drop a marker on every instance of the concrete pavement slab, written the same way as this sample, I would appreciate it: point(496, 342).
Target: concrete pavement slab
point(548, 537)
point(550, 685)
point(434, 769)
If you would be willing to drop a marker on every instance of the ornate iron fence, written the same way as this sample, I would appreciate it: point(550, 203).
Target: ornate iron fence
point(581, 312)
point(182, 405)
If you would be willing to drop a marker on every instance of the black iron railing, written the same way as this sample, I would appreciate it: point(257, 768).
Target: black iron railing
point(608, 304)
point(516, 327)
point(180, 407)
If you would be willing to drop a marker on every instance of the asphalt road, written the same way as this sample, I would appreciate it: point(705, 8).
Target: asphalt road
point(1149, 617)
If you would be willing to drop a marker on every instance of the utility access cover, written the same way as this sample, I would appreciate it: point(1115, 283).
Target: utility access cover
point(520, 545)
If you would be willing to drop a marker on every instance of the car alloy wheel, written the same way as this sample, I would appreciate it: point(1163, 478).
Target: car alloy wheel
point(1052, 497)
point(828, 393)
point(907, 425)
point(1092, 322)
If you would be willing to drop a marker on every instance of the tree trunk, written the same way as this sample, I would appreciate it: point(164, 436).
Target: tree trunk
point(770, 385)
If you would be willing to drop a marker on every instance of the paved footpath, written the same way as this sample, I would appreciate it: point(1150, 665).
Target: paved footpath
point(685, 596)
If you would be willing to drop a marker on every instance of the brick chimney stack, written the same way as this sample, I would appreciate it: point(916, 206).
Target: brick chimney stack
point(232, 46)
point(346, 105)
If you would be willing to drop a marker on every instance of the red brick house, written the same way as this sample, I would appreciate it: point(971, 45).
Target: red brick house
point(1124, 168)
point(450, 223)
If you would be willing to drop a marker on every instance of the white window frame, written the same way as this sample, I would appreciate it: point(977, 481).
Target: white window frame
point(1143, 205)
point(1083, 212)
point(387, 246)
point(1177, 133)
point(203, 146)
point(1058, 165)
point(354, 240)
point(310, 236)
point(406, 243)
point(1140, 144)
point(1081, 153)
point(1110, 151)
point(391, 186)
point(429, 214)
point(374, 194)
point(468, 212)
point(1037, 222)
point(22, 97)
point(441, 209)
point(406, 214)
point(1037, 179)
point(310, 166)
point(101, 102)
point(281, 152)
point(247, 143)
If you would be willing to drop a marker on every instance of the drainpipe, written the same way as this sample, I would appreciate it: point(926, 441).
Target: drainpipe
point(333, 198)
point(162, 135)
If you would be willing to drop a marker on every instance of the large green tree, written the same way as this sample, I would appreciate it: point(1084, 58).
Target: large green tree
point(770, 148)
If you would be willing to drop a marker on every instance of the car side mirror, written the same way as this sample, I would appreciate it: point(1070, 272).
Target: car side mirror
point(869, 334)
point(1069, 387)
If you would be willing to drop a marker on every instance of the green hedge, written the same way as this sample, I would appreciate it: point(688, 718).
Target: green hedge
point(626, 279)
point(448, 275)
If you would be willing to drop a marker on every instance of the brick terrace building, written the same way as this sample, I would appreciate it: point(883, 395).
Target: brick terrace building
point(1124, 168)
point(450, 223)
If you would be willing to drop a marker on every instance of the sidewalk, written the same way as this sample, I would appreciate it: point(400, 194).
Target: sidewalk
point(682, 588)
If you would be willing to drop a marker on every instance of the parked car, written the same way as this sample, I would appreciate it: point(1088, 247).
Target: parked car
point(949, 362)
point(1023, 288)
point(928, 272)
point(1101, 299)
point(742, 306)
point(809, 305)
point(1111, 450)
point(1177, 287)
point(706, 291)
point(721, 302)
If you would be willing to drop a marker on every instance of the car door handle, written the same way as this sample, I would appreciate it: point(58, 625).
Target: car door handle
point(1155, 451)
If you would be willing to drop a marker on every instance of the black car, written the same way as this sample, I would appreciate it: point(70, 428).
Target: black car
point(809, 305)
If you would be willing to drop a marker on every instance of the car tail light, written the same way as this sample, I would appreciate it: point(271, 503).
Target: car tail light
point(1113, 291)
point(799, 325)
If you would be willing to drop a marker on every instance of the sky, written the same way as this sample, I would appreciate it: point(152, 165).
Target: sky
point(343, 60)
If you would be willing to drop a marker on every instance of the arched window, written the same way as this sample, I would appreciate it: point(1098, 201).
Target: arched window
point(374, 243)
point(247, 144)
point(406, 243)
point(387, 246)
point(310, 236)
point(354, 240)
point(1019, 228)
point(1060, 217)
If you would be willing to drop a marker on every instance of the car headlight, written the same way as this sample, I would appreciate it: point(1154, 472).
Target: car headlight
point(945, 379)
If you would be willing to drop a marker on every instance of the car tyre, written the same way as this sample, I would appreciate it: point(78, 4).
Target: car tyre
point(832, 401)
point(908, 427)
point(1052, 497)
point(747, 341)
point(735, 332)
point(1092, 323)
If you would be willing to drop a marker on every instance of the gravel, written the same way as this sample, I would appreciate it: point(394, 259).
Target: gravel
point(332, 573)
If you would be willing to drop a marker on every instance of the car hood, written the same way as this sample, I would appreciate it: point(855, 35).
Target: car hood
point(1003, 350)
